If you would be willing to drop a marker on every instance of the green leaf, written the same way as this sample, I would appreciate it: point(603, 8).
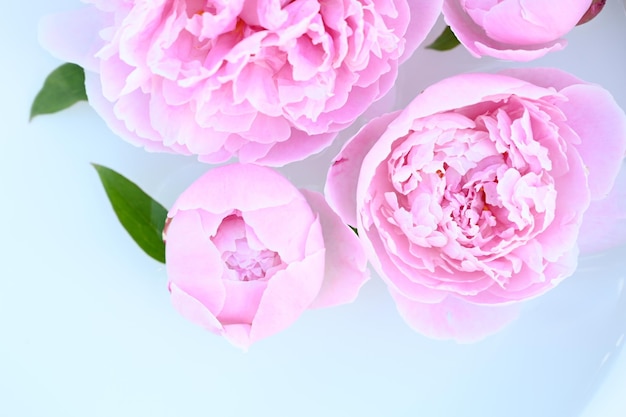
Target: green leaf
point(356, 232)
point(446, 41)
point(142, 216)
point(62, 88)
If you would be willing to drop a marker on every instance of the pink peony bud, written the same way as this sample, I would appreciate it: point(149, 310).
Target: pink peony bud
point(247, 253)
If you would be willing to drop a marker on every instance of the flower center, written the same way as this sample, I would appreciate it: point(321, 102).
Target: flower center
point(245, 258)
point(250, 264)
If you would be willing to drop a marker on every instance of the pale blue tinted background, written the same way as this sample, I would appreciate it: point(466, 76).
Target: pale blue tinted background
point(87, 328)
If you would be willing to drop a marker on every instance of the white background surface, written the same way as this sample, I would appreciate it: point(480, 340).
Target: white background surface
point(86, 327)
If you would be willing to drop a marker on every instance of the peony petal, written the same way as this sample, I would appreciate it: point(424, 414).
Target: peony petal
point(105, 109)
point(193, 310)
point(427, 11)
point(284, 229)
point(464, 28)
point(455, 319)
point(289, 293)
point(345, 269)
point(238, 335)
point(604, 223)
point(74, 36)
point(571, 202)
point(377, 254)
point(532, 22)
point(601, 124)
point(241, 301)
point(343, 175)
point(299, 146)
point(192, 261)
point(221, 190)
point(544, 77)
point(519, 55)
point(476, 88)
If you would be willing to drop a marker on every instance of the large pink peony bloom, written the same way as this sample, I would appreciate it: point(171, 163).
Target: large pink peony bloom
point(474, 195)
point(247, 253)
point(269, 81)
point(513, 29)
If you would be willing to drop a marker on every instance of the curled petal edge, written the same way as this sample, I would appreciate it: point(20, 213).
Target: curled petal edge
point(345, 264)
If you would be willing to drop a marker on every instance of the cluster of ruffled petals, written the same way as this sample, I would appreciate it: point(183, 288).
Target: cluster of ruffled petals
point(267, 81)
point(476, 192)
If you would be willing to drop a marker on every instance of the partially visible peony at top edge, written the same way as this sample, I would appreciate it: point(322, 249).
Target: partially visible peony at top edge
point(513, 30)
point(267, 81)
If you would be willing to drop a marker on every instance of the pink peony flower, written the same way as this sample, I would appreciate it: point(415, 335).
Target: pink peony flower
point(473, 196)
point(247, 253)
point(511, 29)
point(269, 81)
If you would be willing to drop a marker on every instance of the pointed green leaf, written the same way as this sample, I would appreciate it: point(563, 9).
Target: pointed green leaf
point(446, 41)
point(62, 88)
point(142, 216)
